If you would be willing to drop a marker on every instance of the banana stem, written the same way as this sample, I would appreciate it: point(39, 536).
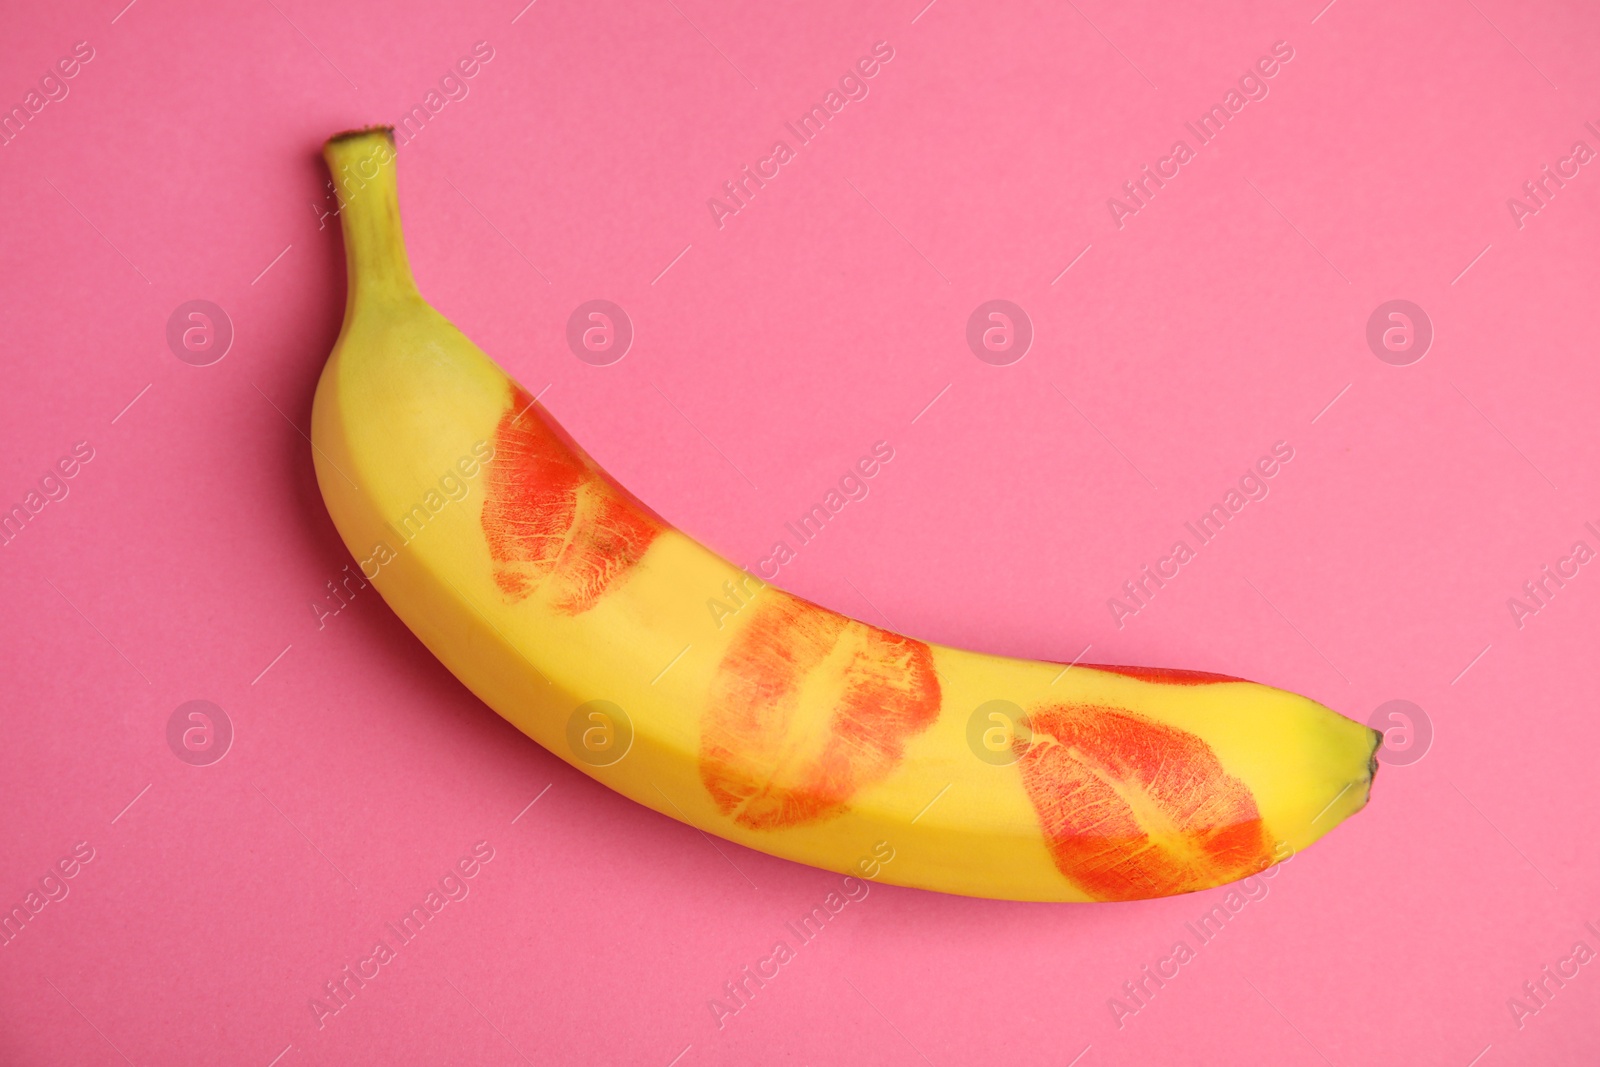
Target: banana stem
point(362, 163)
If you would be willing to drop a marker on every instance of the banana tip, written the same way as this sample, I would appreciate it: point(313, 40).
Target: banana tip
point(1372, 758)
point(348, 135)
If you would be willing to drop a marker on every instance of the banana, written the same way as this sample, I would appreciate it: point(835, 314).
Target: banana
point(582, 617)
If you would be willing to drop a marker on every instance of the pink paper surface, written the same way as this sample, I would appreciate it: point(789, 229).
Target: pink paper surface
point(1172, 347)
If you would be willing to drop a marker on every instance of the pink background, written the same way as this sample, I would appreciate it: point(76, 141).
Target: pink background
point(1223, 317)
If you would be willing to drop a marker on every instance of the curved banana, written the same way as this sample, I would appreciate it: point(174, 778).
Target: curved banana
point(582, 617)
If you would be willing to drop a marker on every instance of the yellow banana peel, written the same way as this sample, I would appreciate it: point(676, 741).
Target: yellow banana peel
point(581, 616)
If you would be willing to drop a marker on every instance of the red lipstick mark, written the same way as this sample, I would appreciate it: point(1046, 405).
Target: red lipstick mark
point(1133, 808)
point(554, 523)
point(809, 707)
point(1165, 674)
